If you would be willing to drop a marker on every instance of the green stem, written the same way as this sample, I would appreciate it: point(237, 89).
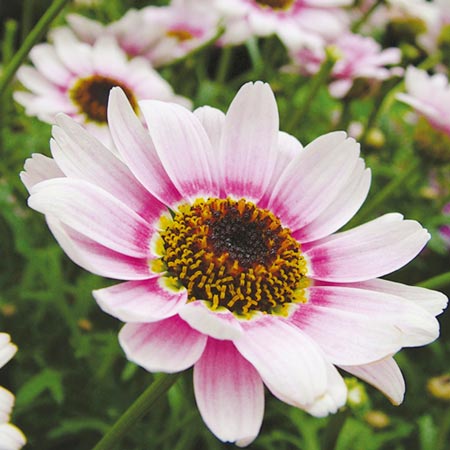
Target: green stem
point(224, 64)
point(442, 440)
point(436, 282)
point(358, 24)
point(35, 35)
point(255, 56)
point(136, 411)
point(320, 78)
point(382, 195)
point(344, 118)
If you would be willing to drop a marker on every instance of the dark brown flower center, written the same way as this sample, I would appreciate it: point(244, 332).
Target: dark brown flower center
point(91, 96)
point(234, 255)
point(275, 4)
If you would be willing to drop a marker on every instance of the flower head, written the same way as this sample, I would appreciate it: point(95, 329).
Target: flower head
point(220, 227)
point(11, 438)
point(159, 34)
point(75, 78)
point(361, 58)
point(297, 23)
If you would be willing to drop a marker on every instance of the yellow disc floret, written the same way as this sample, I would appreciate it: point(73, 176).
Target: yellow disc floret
point(234, 255)
point(276, 4)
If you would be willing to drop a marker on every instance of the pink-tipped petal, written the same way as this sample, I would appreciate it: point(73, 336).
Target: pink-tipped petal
point(169, 345)
point(433, 302)
point(39, 168)
point(182, 145)
point(97, 258)
point(289, 362)
point(47, 62)
point(137, 149)
point(334, 397)
point(82, 156)
point(93, 212)
point(140, 301)
point(229, 393)
point(304, 189)
point(342, 208)
point(385, 375)
point(362, 326)
point(219, 324)
point(368, 251)
point(249, 140)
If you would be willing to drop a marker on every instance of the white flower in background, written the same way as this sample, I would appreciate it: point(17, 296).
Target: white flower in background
point(296, 22)
point(360, 57)
point(75, 78)
point(247, 279)
point(11, 438)
point(429, 95)
point(160, 34)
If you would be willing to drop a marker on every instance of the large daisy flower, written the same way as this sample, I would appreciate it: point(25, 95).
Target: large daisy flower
point(75, 78)
point(11, 438)
point(295, 22)
point(220, 227)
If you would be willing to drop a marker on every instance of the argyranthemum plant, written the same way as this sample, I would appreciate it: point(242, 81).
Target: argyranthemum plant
point(11, 438)
point(75, 78)
point(222, 228)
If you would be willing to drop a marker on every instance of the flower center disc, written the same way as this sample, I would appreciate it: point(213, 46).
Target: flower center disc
point(275, 4)
point(179, 34)
point(91, 96)
point(234, 255)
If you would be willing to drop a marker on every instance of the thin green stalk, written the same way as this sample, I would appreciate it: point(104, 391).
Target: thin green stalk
point(385, 193)
point(442, 440)
point(439, 281)
point(319, 79)
point(136, 411)
point(255, 56)
point(344, 118)
point(35, 35)
point(224, 64)
point(358, 24)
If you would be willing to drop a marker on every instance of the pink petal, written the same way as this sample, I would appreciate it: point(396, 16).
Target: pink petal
point(250, 136)
point(169, 345)
point(35, 81)
point(229, 393)
point(342, 207)
point(289, 362)
point(82, 156)
point(140, 301)
point(368, 251)
point(385, 375)
point(304, 189)
point(108, 57)
point(182, 145)
point(93, 212)
point(48, 63)
point(288, 148)
point(334, 397)
point(137, 149)
point(219, 324)
point(39, 168)
point(433, 302)
point(97, 258)
point(355, 326)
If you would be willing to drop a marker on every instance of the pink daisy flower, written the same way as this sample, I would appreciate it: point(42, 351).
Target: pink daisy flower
point(11, 438)
point(75, 78)
point(160, 34)
point(296, 22)
point(221, 228)
point(360, 57)
point(429, 95)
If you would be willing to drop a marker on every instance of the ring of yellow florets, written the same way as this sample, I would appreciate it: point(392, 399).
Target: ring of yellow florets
point(233, 255)
point(275, 4)
point(91, 95)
